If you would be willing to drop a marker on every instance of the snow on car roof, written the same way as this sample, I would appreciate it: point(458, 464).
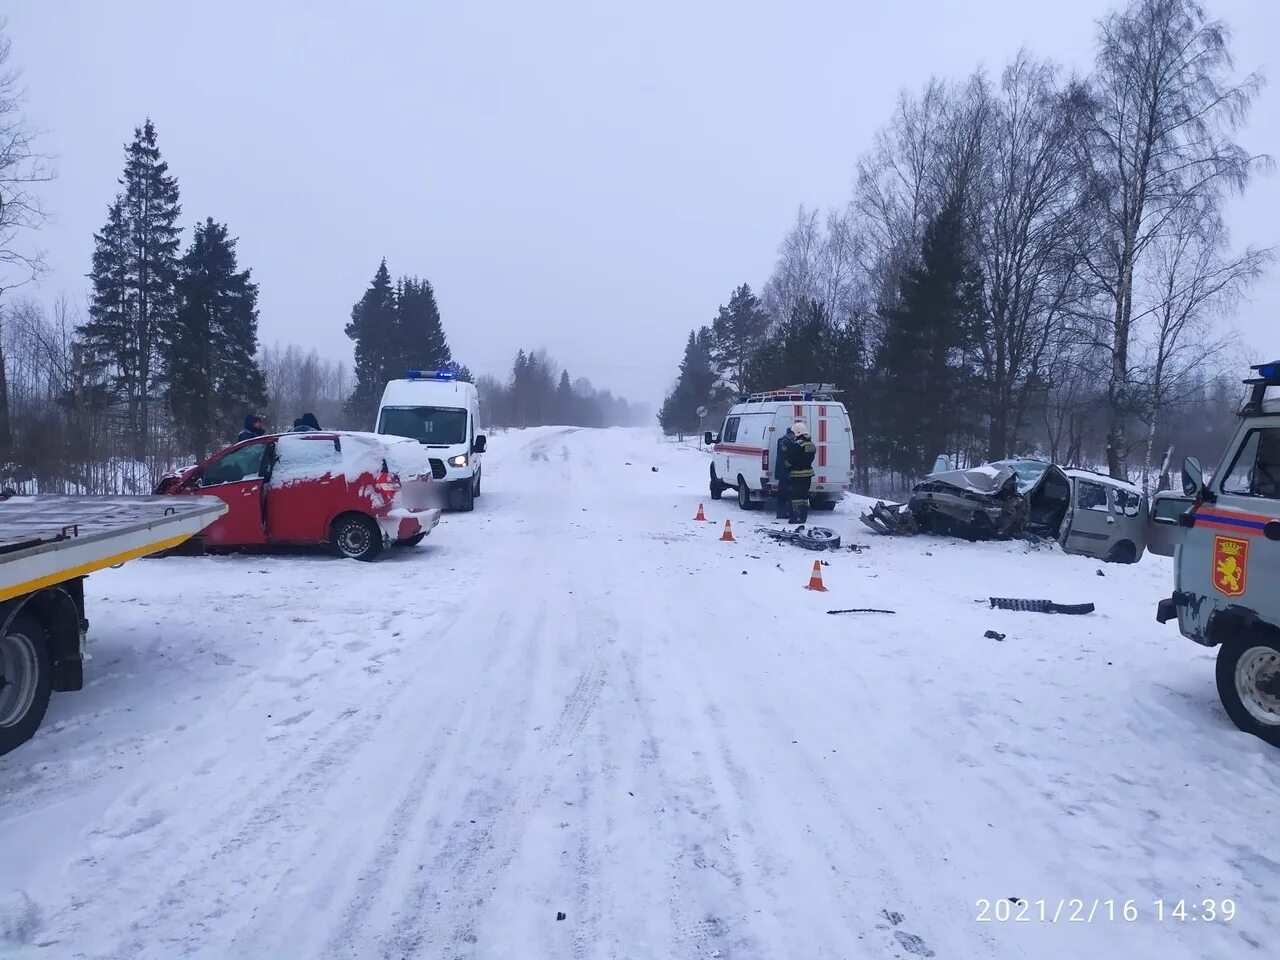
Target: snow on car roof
point(1077, 474)
point(313, 454)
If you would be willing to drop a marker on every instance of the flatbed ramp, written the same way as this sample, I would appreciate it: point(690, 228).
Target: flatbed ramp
point(48, 539)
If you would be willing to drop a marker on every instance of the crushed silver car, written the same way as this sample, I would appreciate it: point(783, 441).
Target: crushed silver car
point(1087, 513)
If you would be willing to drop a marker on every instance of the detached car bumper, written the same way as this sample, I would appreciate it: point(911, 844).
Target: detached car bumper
point(401, 524)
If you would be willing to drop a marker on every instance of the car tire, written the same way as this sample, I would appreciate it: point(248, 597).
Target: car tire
point(1247, 660)
point(717, 485)
point(356, 536)
point(26, 681)
point(1122, 552)
point(463, 498)
point(413, 541)
point(476, 490)
point(827, 505)
point(744, 494)
point(818, 538)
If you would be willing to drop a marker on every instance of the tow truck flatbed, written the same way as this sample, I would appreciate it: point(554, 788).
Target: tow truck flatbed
point(48, 545)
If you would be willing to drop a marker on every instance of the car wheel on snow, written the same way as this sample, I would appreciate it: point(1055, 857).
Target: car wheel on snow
point(818, 538)
point(463, 498)
point(827, 505)
point(413, 541)
point(356, 536)
point(26, 680)
point(717, 485)
point(744, 494)
point(1248, 675)
point(1122, 552)
point(476, 491)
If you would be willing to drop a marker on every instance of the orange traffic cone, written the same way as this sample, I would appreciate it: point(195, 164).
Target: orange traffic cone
point(701, 515)
point(728, 532)
point(815, 579)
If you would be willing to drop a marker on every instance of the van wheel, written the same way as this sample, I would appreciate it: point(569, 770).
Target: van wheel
point(463, 499)
point(1122, 552)
point(827, 505)
point(717, 485)
point(744, 495)
point(475, 492)
point(26, 680)
point(1248, 675)
point(356, 536)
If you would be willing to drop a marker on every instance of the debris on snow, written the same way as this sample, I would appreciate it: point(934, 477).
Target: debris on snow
point(1039, 606)
point(992, 635)
point(811, 538)
point(862, 610)
point(895, 520)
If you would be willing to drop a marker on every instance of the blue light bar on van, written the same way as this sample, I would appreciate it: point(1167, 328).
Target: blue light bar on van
point(444, 373)
point(1269, 371)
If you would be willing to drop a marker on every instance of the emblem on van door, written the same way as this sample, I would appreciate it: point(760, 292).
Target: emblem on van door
point(1230, 565)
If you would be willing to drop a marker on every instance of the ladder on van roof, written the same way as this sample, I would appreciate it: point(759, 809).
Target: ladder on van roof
point(823, 392)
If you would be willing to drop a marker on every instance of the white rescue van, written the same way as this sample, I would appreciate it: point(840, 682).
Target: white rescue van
point(443, 414)
point(745, 449)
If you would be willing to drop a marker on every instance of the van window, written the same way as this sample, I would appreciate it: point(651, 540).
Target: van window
point(1091, 496)
point(438, 426)
point(1256, 470)
point(1127, 502)
point(730, 432)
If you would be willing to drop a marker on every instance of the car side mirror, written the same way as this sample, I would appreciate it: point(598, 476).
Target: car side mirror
point(477, 445)
point(709, 438)
point(1192, 477)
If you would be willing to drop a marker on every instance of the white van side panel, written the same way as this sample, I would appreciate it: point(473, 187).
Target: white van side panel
point(758, 429)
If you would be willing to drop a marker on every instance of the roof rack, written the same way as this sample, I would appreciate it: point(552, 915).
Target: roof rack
point(794, 392)
point(1268, 376)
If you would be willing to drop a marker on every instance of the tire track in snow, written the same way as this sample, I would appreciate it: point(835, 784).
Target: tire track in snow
point(442, 910)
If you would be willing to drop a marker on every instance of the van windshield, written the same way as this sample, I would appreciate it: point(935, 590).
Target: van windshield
point(435, 426)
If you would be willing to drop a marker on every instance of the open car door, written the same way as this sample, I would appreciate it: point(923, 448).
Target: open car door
point(236, 479)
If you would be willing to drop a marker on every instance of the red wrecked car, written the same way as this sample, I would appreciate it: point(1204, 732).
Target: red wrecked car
point(357, 492)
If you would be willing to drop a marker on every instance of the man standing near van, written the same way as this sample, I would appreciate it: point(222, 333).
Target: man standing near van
point(783, 490)
point(798, 452)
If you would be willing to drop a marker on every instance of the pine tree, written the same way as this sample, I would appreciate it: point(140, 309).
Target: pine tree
point(212, 371)
point(695, 387)
point(374, 329)
point(737, 334)
point(420, 340)
point(800, 349)
point(925, 356)
point(566, 401)
point(134, 274)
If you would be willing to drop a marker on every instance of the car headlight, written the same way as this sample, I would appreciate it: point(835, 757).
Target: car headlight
point(459, 461)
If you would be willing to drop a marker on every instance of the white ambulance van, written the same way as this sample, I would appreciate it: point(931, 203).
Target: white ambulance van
point(746, 447)
point(443, 414)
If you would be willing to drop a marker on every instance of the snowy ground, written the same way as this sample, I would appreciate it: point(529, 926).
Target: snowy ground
point(578, 700)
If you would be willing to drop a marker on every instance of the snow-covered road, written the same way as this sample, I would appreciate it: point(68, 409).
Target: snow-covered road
point(578, 701)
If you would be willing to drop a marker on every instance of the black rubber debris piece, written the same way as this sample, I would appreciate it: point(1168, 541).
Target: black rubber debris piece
point(862, 610)
point(1039, 606)
point(560, 915)
point(992, 635)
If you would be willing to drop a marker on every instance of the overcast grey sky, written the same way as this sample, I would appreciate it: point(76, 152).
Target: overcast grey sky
point(591, 177)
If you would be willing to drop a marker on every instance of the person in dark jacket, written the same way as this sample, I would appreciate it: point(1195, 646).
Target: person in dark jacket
point(798, 454)
point(783, 491)
point(305, 424)
point(252, 427)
